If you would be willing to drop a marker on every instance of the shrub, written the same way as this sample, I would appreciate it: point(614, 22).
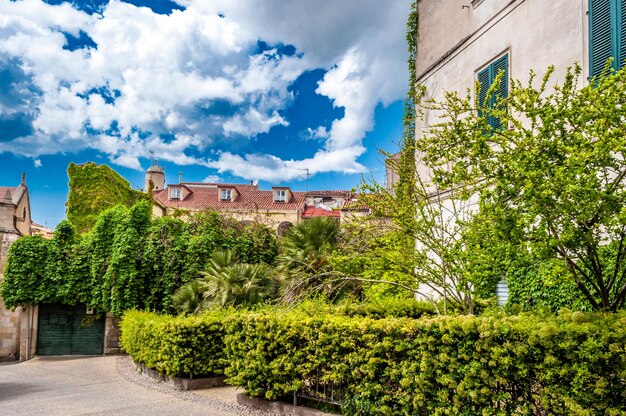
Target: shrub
point(572, 364)
point(177, 346)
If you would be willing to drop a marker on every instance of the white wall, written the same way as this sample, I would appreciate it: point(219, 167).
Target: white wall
point(456, 42)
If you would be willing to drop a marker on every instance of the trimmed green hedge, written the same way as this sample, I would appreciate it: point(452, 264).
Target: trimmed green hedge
point(573, 364)
point(176, 346)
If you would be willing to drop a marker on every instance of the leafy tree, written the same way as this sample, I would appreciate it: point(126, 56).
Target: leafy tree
point(556, 172)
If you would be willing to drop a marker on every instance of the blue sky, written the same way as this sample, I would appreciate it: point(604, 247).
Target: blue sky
point(220, 90)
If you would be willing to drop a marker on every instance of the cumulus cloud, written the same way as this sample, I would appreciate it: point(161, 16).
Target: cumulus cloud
point(38, 163)
point(154, 81)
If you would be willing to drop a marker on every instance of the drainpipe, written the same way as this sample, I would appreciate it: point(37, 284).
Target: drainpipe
point(29, 329)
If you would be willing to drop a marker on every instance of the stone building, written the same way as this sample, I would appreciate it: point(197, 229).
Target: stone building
point(15, 222)
point(278, 208)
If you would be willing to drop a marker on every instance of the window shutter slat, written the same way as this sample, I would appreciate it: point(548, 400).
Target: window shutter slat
point(622, 33)
point(484, 83)
point(502, 91)
point(600, 35)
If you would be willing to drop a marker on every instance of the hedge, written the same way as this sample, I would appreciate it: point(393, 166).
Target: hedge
point(572, 364)
point(177, 346)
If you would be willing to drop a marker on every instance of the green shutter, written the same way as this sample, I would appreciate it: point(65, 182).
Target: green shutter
point(486, 78)
point(484, 83)
point(502, 91)
point(622, 34)
point(601, 46)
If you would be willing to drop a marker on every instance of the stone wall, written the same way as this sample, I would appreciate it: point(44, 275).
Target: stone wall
point(9, 328)
point(111, 335)
point(6, 239)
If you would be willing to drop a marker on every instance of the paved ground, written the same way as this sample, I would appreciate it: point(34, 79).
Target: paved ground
point(94, 386)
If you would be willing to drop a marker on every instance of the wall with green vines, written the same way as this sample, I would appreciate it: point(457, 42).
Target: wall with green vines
point(93, 189)
point(127, 261)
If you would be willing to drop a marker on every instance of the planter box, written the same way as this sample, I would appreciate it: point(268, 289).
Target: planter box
point(181, 383)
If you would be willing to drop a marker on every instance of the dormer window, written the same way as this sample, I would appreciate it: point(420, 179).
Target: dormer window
point(280, 195)
point(226, 194)
point(175, 193)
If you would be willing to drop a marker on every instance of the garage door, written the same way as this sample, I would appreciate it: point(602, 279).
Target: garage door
point(69, 330)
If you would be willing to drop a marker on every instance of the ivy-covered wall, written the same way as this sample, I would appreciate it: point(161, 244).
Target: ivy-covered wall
point(94, 189)
point(127, 261)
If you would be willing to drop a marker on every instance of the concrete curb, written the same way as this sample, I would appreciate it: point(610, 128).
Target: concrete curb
point(181, 383)
point(279, 408)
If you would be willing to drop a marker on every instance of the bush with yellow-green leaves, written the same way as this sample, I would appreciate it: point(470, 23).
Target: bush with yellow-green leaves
point(571, 364)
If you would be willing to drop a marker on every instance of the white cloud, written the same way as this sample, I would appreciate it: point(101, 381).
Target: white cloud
point(212, 179)
point(162, 74)
point(38, 163)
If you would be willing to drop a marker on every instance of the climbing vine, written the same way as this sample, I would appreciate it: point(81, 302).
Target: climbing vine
point(127, 261)
point(93, 189)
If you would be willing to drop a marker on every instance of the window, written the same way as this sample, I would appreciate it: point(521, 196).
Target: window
point(607, 34)
point(486, 78)
point(225, 194)
point(280, 196)
point(175, 193)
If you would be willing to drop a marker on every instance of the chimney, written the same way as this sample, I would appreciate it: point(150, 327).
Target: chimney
point(180, 177)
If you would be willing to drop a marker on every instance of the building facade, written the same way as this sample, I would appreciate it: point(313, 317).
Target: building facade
point(15, 222)
point(462, 42)
point(463, 45)
point(279, 208)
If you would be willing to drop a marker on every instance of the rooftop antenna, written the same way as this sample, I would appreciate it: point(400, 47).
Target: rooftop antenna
point(307, 177)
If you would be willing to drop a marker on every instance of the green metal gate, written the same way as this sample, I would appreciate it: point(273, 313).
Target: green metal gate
point(69, 330)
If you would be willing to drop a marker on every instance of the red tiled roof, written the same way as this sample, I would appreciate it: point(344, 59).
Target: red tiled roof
point(249, 198)
point(310, 212)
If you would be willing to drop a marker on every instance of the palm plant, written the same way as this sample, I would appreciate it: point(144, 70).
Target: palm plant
point(226, 282)
point(188, 298)
point(303, 261)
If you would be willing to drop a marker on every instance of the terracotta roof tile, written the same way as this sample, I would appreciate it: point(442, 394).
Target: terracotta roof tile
point(251, 198)
point(311, 212)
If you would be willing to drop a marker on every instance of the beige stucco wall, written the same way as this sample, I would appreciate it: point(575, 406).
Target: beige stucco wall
point(455, 42)
point(267, 217)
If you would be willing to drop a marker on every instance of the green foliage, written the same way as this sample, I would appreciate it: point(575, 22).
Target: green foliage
point(378, 308)
point(26, 280)
point(303, 262)
point(573, 364)
point(177, 346)
point(226, 282)
point(556, 174)
point(93, 189)
point(545, 285)
point(127, 260)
